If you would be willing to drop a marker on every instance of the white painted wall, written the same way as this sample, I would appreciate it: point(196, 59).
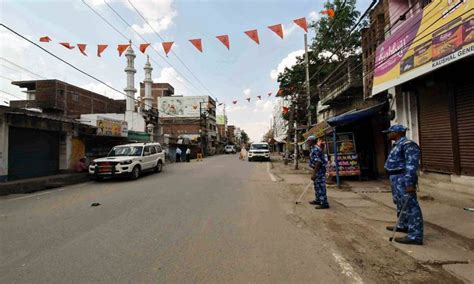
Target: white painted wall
point(406, 112)
point(135, 120)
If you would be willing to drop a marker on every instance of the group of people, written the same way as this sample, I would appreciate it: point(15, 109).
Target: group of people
point(179, 154)
point(401, 167)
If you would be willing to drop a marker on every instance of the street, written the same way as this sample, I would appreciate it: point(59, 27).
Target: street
point(222, 220)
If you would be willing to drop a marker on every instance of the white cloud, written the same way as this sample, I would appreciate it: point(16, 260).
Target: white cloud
point(290, 28)
point(102, 89)
point(159, 13)
point(247, 93)
point(169, 75)
point(314, 16)
point(288, 61)
point(255, 130)
point(263, 106)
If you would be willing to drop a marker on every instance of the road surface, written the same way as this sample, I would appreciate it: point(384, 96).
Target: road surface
point(219, 221)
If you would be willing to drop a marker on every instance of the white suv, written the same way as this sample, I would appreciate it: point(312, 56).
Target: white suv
point(129, 160)
point(259, 151)
point(230, 149)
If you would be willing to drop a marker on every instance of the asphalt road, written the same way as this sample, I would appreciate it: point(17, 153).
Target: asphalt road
point(215, 221)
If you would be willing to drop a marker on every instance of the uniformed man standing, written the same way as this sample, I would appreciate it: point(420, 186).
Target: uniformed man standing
point(318, 163)
point(402, 166)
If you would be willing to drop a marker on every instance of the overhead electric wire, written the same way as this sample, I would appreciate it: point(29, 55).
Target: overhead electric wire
point(71, 65)
point(128, 39)
point(22, 68)
point(151, 45)
point(179, 59)
point(10, 94)
point(6, 78)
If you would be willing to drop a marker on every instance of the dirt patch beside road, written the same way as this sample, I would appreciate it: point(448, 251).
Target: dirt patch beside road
point(367, 251)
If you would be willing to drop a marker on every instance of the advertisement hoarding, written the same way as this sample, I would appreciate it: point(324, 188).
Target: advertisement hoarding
point(439, 34)
point(111, 127)
point(182, 106)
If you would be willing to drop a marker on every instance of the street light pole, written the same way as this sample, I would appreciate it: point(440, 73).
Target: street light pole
point(203, 132)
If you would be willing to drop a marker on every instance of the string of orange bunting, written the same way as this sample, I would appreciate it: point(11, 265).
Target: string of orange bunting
point(197, 43)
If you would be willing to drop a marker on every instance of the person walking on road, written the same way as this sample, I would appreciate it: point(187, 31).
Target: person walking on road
point(243, 153)
point(318, 163)
point(199, 154)
point(188, 155)
point(178, 155)
point(402, 166)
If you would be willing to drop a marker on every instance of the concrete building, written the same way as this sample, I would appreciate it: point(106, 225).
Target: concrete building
point(430, 85)
point(55, 97)
point(158, 90)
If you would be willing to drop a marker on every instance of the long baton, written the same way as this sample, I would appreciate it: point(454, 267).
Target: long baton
point(302, 194)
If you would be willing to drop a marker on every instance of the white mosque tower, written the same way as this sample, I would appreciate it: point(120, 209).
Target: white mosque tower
point(130, 89)
point(148, 100)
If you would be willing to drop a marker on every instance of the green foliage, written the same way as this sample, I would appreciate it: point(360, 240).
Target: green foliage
point(244, 137)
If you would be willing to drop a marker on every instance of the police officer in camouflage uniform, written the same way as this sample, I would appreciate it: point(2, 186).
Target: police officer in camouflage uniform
point(402, 166)
point(318, 163)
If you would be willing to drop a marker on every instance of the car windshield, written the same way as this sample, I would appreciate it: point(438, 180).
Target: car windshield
point(126, 151)
point(259, 147)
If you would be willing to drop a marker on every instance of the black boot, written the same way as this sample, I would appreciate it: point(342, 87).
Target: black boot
point(321, 206)
point(314, 202)
point(407, 241)
point(390, 228)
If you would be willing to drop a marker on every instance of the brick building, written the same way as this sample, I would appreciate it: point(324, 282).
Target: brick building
point(157, 90)
point(231, 133)
point(59, 98)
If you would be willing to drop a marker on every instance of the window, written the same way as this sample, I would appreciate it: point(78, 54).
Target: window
point(153, 150)
point(75, 97)
point(147, 150)
point(158, 149)
point(126, 151)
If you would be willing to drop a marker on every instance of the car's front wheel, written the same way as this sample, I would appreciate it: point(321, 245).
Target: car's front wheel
point(135, 173)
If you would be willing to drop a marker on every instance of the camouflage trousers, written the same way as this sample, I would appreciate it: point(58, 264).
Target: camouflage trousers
point(320, 189)
point(412, 219)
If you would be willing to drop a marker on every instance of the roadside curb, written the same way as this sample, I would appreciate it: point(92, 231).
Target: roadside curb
point(42, 183)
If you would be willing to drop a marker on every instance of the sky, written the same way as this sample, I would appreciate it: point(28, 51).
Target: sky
point(246, 70)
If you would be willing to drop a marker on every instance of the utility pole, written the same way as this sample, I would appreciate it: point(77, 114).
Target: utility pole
point(306, 61)
point(288, 135)
point(295, 115)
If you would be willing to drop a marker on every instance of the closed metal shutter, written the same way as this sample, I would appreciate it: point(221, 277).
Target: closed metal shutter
point(435, 130)
point(465, 125)
point(32, 153)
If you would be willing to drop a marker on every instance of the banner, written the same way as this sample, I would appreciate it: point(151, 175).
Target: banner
point(439, 34)
point(111, 127)
point(182, 106)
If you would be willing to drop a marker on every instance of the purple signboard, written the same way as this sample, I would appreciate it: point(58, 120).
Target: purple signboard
point(392, 50)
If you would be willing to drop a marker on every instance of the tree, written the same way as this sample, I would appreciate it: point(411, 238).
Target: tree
point(244, 137)
point(333, 35)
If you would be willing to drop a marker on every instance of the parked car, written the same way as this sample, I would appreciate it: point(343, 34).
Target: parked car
point(129, 160)
point(259, 151)
point(230, 149)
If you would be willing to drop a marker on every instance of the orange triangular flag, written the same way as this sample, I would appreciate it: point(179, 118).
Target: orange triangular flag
point(330, 12)
point(259, 97)
point(278, 29)
point(45, 39)
point(197, 43)
point(101, 48)
point(269, 94)
point(143, 47)
point(82, 48)
point(280, 93)
point(234, 102)
point(167, 46)
point(66, 45)
point(302, 23)
point(121, 48)
point(248, 99)
point(225, 40)
point(253, 34)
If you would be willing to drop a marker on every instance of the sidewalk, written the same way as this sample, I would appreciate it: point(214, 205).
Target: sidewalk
point(449, 229)
point(41, 183)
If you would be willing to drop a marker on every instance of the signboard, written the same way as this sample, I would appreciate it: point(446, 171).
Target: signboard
point(439, 34)
point(111, 127)
point(348, 161)
point(182, 106)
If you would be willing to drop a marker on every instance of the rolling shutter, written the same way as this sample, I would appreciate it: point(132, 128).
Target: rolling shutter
point(465, 125)
point(435, 130)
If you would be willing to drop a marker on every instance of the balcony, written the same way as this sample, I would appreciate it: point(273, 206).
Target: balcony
point(43, 104)
point(345, 82)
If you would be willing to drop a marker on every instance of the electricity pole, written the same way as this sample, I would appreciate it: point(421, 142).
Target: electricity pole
point(306, 61)
point(295, 115)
